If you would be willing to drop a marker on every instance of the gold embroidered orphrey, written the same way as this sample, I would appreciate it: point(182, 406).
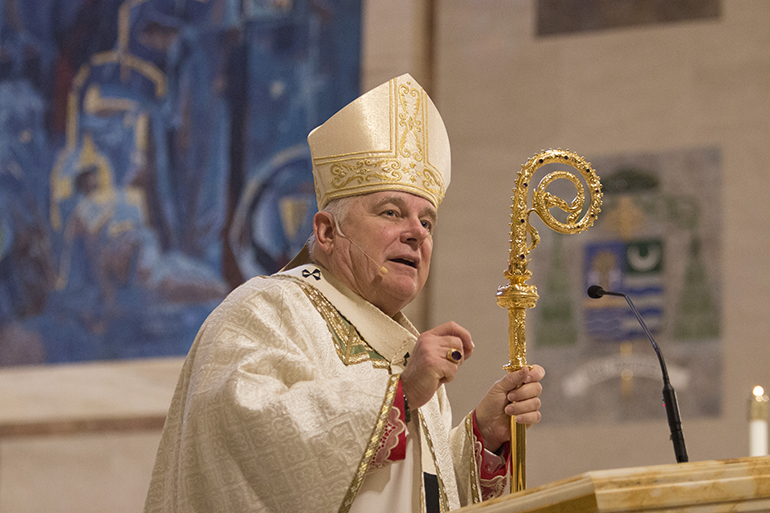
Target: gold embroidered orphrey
point(517, 295)
point(350, 346)
point(408, 162)
point(353, 349)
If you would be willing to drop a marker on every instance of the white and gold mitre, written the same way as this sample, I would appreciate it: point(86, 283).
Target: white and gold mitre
point(391, 138)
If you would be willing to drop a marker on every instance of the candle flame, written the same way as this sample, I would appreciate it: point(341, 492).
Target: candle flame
point(759, 391)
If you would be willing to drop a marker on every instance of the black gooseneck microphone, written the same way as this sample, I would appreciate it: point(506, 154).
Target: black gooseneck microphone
point(669, 395)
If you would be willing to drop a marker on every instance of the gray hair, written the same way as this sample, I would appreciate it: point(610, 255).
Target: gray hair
point(339, 209)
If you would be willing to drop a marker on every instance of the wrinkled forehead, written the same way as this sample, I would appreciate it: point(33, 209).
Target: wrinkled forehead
point(407, 202)
point(410, 203)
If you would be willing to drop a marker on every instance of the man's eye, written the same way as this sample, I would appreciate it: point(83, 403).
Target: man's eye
point(390, 213)
point(427, 225)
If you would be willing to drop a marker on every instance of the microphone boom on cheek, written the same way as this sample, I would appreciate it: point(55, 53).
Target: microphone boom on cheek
point(381, 267)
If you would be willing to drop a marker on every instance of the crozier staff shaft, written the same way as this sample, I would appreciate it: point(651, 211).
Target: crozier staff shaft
point(517, 295)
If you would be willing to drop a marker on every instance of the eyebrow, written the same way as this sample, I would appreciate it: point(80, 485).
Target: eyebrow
point(399, 202)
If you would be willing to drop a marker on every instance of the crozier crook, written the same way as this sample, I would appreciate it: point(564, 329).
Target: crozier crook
point(517, 295)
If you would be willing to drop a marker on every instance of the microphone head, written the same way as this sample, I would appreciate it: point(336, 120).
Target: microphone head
point(383, 270)
point(595, 291)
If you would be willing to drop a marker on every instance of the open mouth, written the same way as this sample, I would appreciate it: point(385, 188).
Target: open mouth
point(405, 261)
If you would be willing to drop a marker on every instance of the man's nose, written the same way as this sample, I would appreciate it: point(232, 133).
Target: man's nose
point(415, 233)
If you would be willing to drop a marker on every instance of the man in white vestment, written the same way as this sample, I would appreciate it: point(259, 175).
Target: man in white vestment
point(309, 390)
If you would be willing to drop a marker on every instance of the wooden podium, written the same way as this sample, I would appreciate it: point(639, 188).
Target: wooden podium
point(703, 486)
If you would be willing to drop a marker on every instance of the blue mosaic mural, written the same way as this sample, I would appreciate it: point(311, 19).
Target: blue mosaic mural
point(153, 157)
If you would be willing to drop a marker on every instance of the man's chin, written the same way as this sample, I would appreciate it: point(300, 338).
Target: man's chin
point(405, 294)
point(391, 300)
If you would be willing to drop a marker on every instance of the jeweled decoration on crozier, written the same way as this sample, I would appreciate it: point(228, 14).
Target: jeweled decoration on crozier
point(517, 295)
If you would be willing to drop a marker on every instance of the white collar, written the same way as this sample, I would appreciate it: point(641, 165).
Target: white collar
point(391, 337)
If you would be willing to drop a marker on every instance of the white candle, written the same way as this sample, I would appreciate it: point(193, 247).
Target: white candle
point(758, 423)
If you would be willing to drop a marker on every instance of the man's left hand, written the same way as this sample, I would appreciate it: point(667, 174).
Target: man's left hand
point(518, 393)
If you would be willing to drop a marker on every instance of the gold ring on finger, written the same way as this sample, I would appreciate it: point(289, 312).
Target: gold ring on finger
point(453, 355)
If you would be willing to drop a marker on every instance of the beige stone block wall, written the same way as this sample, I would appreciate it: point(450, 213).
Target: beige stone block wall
point(506, 94)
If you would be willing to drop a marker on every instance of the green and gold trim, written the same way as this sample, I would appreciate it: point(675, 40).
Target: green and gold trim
point(371, 447)
point(350, 346)
point(444, 504)
point(474, 475)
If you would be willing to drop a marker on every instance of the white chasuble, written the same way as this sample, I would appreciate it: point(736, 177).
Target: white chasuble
point(282, 403)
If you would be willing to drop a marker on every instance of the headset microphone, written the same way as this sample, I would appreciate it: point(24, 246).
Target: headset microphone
point(382, 269)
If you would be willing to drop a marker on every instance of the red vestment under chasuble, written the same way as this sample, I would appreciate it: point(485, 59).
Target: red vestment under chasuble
point(290, 401)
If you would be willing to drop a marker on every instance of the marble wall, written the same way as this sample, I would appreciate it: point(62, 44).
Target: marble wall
point(82, 437)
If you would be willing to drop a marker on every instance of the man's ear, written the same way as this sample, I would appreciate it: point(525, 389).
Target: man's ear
point(323, 227)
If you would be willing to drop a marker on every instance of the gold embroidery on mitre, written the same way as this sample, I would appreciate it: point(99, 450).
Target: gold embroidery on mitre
point(403, 166)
